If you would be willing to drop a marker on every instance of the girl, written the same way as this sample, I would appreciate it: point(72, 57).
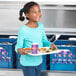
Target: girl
point(31, 32)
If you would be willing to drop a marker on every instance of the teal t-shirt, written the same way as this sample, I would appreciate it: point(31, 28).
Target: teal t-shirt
point(27, 36)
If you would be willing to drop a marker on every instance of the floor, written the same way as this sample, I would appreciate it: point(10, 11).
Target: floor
point(18, 72)
point(11, 72)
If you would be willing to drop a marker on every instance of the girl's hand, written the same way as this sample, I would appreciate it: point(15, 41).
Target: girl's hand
point(22, 51)
point(53, 46)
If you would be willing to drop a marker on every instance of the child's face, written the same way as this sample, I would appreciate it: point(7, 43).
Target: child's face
point(34, 14)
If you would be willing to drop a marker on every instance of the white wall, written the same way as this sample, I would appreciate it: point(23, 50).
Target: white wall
point(49, 1)
point(9, 23)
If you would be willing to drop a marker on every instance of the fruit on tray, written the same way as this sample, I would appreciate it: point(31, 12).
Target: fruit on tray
point(27, 50)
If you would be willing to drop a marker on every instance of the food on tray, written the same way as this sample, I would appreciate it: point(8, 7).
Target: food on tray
point(50, 49)
point(46, 50)
point(55, 49)
point(42, 49)
point(27, 48)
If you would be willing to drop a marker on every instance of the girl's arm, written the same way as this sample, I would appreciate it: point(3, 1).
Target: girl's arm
point(44, 39)
point(46, 42)
point(20, 40)
point(19, 46)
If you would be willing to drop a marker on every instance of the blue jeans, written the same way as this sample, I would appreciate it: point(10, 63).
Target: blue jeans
point(32, 70)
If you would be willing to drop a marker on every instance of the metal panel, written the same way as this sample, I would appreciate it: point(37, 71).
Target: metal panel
point(56, 18)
